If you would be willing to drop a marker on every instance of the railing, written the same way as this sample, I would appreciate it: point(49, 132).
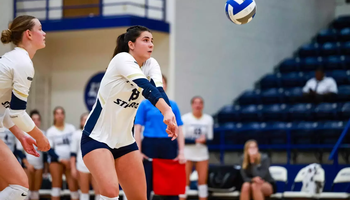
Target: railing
point(334, 154)
point(54, 9)
point(288, 145)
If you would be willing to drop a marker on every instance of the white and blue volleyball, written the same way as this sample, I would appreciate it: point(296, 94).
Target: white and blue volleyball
point(240, 11)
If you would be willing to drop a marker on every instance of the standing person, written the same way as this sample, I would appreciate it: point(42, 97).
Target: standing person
point(258, 182)
point(79, 171)
point(60, 136)
point(16, 75)
point(198, 129)
point(156, 143)
point(108, 146)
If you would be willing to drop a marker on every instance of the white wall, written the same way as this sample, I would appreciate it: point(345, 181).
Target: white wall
point(218, 60)
point(6, 10)
point(75, 57)
point(342, 8)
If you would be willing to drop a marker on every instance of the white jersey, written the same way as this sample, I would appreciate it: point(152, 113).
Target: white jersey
point(16, 75)
point(75, 148)
point(194, 128)
point(60, 140)
point(112, 116)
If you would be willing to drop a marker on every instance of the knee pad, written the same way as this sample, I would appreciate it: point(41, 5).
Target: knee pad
point(203, 191)
point(74, 195)
point(29, 193)
point(84, 196)
point(186, 191)
point(56, 192)
point(14, 192)
point(97, 197)
point(107, 198)
point(34, 195)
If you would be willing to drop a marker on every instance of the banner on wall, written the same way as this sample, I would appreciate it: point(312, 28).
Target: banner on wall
point(91, 90)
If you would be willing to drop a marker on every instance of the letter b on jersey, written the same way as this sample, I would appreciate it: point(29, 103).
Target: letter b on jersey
point(135, 94)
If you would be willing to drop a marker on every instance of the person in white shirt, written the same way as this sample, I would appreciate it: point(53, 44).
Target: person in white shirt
point(197, 129)
point(108, 146)
point(60, 136)
point(320, 88)
point(16, 75)
point(78, 169)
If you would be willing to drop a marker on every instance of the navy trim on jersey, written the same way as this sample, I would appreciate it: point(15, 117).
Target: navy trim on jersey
point(53, 155)
point(19, 153)
point(149, 91)
point(90, 124)
point(17, 104)
point(73, 154)
point(190, 141)
point(165, 97)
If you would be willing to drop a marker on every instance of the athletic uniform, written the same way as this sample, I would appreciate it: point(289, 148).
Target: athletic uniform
point(110, 122)
point(194, 128)
point(75, 151)
point(60, 142)
point(37, 162)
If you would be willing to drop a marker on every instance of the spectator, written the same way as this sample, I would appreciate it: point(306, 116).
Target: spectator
point(198, 128)
point(258, 182)
point(320, 88)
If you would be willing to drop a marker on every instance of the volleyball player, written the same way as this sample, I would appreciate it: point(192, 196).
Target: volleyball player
point(108, 146)
point(16, 75)
point(78, 169)
point(197, 129)
point(60, 136)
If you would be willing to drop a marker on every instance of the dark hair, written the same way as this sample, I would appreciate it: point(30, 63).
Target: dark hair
point(54, 112)
point(320, 69)
point(197, 97)
point(16, 29)
point(34, 112)
point(132, 33)
point(165, 79)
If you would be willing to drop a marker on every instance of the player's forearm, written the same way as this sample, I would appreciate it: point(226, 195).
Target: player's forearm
point(137, 131)
point(18, 133)
point(36, 133)
point(181, 140)
point(72, 162)
point(162, 106)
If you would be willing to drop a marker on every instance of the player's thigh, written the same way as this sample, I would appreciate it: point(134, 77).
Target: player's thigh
point(130, 172)
point(94, 185)
point(31, 179)
point(84, 182)
point(202, 169)
point(189, 167)
point(3, 184)
point(100, 163)
point(72, 183)
point(56, 171)
point(267, 189)
point(38, 179)
point(12, 172)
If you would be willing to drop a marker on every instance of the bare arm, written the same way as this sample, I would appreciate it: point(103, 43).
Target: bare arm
point(137, 132)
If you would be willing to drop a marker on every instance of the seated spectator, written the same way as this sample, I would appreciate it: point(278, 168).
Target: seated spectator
point(258, 182)
point(320, 88)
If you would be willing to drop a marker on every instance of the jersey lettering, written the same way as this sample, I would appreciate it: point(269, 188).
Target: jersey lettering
point(135, 95)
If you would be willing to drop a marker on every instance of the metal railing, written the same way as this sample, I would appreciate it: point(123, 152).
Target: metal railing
point(46, 7)
point(334, 154)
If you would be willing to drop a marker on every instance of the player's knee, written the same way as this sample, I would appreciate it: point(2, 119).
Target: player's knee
point(55, 192)
point(74, 194)
point(184, 196)
point(110, 190)
point(256, 187)
point(203, 191)
point(246, 187)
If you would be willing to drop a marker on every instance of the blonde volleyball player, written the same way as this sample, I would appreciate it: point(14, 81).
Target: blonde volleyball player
point(60, 136)
point(108, 146)
point(197, 129)
point(16, 75)
point(78, 168)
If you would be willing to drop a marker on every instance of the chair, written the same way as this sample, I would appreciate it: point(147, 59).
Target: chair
point(293, 79)
point(346, 48)
point(276, 132)
point(309, 50)
point(343, 176)
point(250, 113)
point(300, 112)
point(310, 63)
point(304, 133)
point(327, 35)
point(269, 81)
point(331, 131)
point(342, 77)
point(326, 111)
point(333, 63)
point(328, 49)
point(293, 95)
point(341, 22)
point(279, 174)
point(275, 112)
point(345, 111)
point(249, 97)
point(344, 35)
point(228, 113)
point(343, 93)
point(272, 95)
point(289, 65)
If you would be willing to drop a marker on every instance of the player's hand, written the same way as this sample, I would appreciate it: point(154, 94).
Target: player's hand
point(28, 145)
point(170, 121)
point(74, 173)
point(181, 158)
point(43, 144)
point(201, 139)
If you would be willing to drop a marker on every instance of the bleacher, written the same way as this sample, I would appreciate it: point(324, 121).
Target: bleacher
point(276, 114)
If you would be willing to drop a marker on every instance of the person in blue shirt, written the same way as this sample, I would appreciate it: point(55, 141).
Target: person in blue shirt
point(156, 142)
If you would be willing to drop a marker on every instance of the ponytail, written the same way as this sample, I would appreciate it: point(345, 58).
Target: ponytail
point(122, 45)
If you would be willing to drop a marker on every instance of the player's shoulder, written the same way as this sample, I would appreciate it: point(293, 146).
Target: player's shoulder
point(151, 62)
point(208, 117)
point(70, 127)
point(123, 56)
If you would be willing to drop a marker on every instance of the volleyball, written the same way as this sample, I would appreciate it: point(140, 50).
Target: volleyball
point(240, 11)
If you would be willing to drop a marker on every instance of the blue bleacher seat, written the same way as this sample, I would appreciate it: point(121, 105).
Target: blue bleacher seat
point(331, 131)
point(327, 35)
point(228, 113)
point(342, 77)
point(333, 62)
point(293, 95)
point(293, 79)
point(248, 131)
point(341, 22)
point(272, 95)
point(310, 63)
point(300, 112)
point(328, 49)
point(305, 133)
point(275, 112)
point(276, 132)
point(250, 113)
point(249, 97)
point(269, 81)
point(289, 65)
point(346, 48)
point(344, 35)
point(345, 111)
point(343, 93)
point(326, 111)
point(309, 50)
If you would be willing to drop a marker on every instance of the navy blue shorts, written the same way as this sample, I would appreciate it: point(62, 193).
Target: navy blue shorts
point(88, 144)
